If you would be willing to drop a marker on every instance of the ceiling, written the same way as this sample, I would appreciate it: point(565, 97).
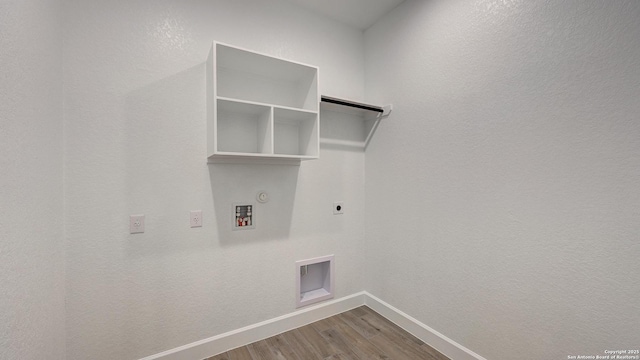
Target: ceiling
point(357, 13)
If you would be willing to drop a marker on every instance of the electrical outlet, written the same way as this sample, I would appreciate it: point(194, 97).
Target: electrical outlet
point(136, 224)
point(338, 208)
point(196, 218)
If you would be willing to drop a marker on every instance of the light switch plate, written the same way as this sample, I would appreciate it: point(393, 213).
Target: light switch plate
point(136, 224)
point(195, 218)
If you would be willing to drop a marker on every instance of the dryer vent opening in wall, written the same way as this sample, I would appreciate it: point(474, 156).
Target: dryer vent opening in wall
point(314, 280)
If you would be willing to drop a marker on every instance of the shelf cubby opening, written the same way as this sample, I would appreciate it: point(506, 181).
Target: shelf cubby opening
point(295, 132)
point(243, 128)
point(259, 78)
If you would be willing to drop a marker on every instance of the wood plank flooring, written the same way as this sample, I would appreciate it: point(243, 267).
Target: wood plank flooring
point(358, 334)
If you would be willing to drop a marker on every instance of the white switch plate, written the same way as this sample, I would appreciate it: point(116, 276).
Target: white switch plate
point(195, 218)
point(338, 208)
point(136, 224)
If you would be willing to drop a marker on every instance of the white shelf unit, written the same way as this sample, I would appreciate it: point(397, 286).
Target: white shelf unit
point(314, 280)
point(336, 110)
point(260, 108)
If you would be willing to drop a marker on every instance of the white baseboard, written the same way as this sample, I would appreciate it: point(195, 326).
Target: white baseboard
point(230, 340)
point(443, 344)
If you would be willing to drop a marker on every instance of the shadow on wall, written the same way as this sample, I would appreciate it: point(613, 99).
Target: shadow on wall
point(239, 184)
point(163, 174)
point(166, 170)
point(341, 131)
point(164, 157)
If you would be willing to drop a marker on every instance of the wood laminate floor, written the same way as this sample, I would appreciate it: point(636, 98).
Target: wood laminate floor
point(358, 334)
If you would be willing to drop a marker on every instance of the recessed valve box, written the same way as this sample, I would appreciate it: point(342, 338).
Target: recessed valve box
point(244, 217)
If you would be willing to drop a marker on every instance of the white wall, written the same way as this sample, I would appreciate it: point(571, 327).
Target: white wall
point(502, 195)
point(31, 144)
point(135, 122)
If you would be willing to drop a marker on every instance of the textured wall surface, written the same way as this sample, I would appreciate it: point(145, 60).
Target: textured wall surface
point(135, 122)
point(512, 163)
point(31, 145)
point(502, 197)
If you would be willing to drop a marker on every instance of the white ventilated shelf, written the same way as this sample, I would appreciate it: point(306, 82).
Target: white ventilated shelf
point(348, 123)
point(260, 108)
